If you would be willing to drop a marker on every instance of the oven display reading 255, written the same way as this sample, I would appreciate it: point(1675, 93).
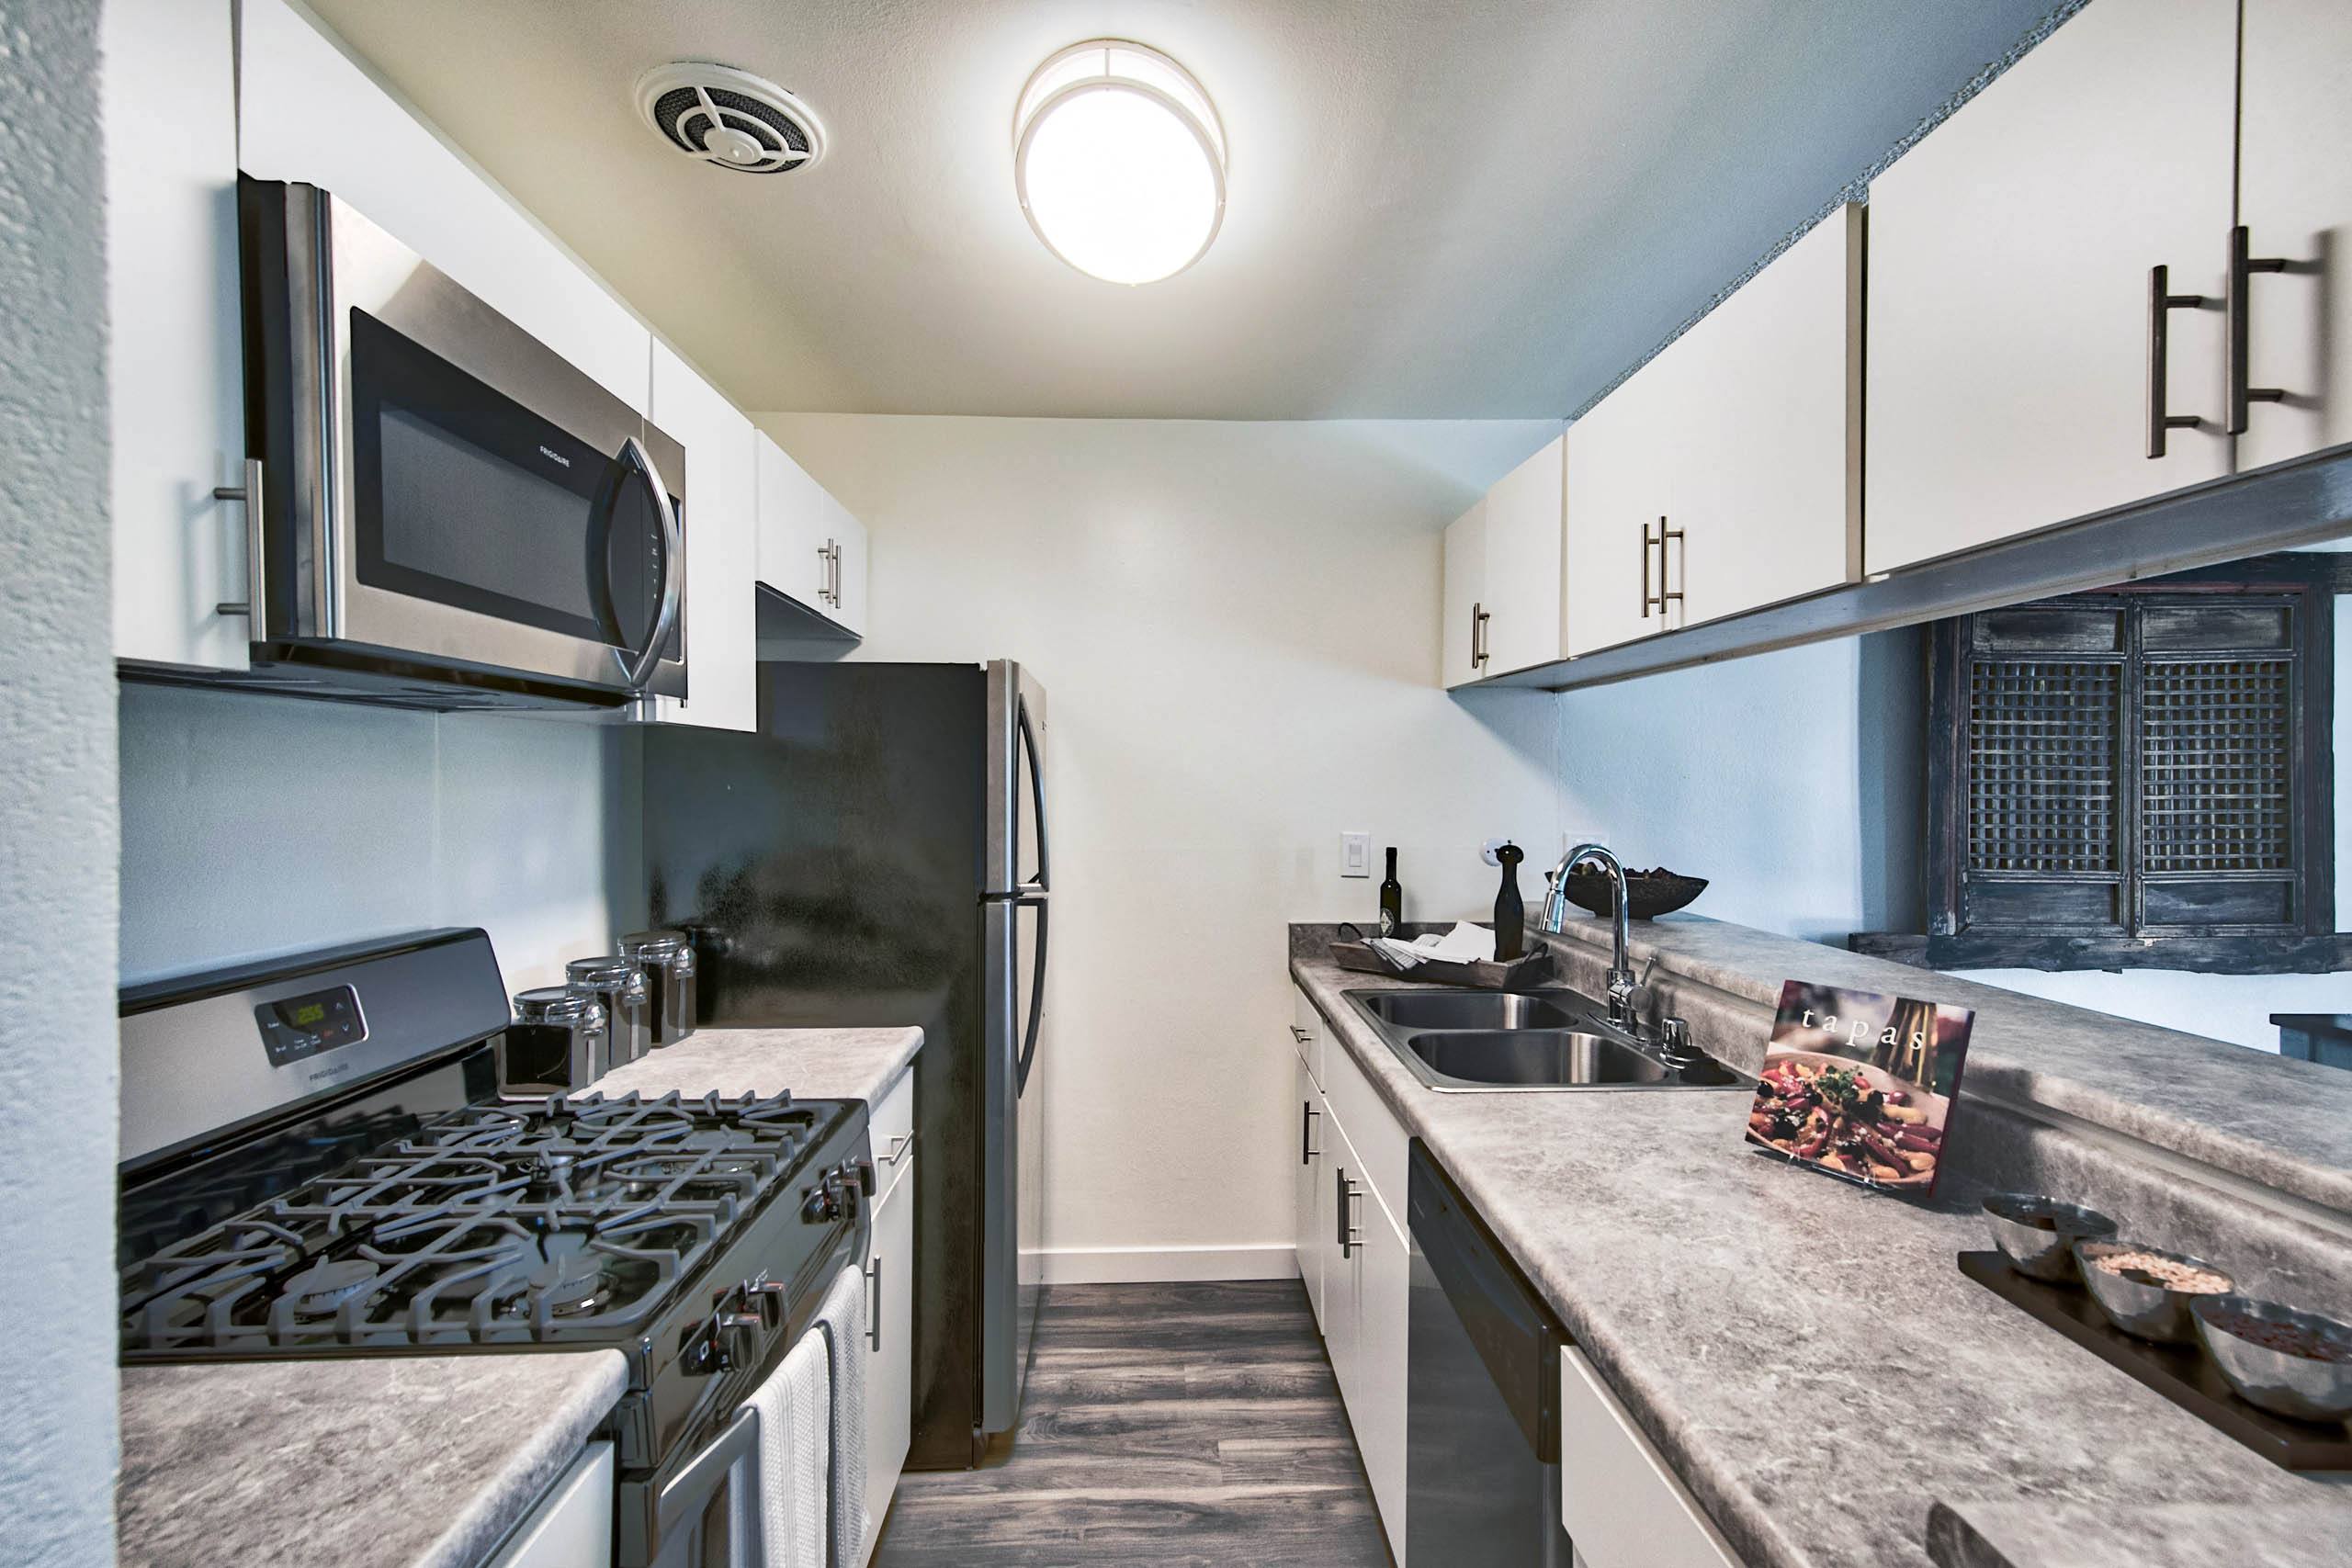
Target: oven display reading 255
point(296, 1027)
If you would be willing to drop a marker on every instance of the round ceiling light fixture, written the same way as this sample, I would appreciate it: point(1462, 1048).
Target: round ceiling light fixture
point(1119, 162)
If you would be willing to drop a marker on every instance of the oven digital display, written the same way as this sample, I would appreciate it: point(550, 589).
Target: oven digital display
point(295, 1027)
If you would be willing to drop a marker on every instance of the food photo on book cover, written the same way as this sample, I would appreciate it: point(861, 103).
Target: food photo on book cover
point(1861, 1084)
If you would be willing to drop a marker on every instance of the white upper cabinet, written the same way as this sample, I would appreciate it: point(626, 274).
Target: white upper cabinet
point(812, 550)
point(2295, 199)
point(1523, 567)
point(309, 113)
point(1619, 549)
point(175, 381)
point(1462, 659)
point(2010, 257)
point(1768, 435)
point(722, 545)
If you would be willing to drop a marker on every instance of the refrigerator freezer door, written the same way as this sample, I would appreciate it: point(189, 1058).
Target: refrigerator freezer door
point(1017, 850)
point(1012, 1148)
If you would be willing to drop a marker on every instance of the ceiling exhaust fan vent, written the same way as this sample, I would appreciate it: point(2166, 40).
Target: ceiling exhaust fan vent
point(729, 118)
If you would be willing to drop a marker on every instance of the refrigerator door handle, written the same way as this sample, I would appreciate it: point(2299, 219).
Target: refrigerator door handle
point(1036, 796)
point(1036, 995)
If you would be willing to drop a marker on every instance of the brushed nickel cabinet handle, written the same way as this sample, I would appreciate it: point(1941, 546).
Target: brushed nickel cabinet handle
point(2162, 303)
point(253, 605)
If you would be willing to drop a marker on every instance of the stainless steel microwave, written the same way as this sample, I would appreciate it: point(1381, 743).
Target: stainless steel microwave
point(450, 513)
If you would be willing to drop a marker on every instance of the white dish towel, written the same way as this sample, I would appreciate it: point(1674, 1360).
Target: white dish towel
point(795, 1408)
point(843, 1318)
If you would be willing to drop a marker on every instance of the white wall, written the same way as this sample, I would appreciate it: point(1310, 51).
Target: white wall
point(57, 806)
point(256, 825)
point(1236, 627)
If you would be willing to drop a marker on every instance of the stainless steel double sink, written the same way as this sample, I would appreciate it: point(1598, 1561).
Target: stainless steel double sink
point(1553, 1039)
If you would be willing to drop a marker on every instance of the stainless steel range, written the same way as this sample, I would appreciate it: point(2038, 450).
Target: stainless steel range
point(398, 1207)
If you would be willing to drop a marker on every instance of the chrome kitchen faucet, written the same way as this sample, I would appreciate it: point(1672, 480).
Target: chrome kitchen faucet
point(1621, 967)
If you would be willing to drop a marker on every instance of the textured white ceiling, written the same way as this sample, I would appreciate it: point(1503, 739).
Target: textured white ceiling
point(1454, 210)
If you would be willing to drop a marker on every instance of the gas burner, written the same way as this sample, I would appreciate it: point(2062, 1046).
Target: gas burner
point(317, 1290)
point(570, 1286)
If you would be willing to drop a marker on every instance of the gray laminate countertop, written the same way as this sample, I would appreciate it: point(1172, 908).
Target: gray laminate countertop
point(814, 1063)
point(2283, 1123)
point(2051, 1534)
point(378, 1461)
point(1805, 1354)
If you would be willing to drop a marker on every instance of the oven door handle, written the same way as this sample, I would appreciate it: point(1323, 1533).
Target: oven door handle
point(640, 670)
point(690, 1492)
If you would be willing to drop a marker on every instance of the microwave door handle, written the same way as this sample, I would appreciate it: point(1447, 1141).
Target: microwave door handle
point(640, 670)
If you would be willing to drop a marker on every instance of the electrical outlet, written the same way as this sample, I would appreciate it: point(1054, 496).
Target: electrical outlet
point(1355, 854)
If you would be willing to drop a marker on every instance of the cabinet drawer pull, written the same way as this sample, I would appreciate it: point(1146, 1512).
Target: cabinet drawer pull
point(899, 1147)
point(2162, 303)
point(874, 1305)
point(2243, 266)
point(1306, 1149)
point(1479, 620)
point(1665, 595)
point(254, 604)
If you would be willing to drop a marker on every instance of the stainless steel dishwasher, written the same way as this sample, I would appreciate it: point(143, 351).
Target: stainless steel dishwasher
point(1482, 1395)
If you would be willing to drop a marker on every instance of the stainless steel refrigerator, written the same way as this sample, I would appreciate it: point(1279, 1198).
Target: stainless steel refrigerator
point(876, 854)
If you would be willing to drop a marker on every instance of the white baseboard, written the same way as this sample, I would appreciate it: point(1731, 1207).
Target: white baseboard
point(1160, 1265)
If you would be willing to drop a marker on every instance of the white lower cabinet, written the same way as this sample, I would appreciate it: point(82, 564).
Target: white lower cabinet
point(1306, 1182)
point(891, 1261)
point(1353, 1257)
point(1619, 1504)
point(573, 1523)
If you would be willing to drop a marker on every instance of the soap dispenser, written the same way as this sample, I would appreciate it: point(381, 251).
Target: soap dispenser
point(1510, 915)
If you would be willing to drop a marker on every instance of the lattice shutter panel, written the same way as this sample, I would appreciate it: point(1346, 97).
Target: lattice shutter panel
point(2217, 765)
point(2041, 766)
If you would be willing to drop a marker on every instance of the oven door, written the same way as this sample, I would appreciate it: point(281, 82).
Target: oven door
point(442, 492)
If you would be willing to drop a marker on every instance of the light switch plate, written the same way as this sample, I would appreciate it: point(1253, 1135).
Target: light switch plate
point(1355, 854)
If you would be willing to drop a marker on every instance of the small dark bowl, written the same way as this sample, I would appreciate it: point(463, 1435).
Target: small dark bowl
point(1646, 896)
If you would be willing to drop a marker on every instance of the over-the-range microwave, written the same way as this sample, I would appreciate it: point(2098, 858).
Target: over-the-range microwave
point(450, 514)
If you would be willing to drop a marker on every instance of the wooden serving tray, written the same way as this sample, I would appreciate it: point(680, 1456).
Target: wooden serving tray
point(1528, 969)
point(2180, 1373)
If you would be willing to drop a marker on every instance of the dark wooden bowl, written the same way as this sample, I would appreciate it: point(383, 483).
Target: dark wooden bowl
point(1648, 896)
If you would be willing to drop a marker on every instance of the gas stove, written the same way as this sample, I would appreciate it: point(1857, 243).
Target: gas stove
point(390, 1203)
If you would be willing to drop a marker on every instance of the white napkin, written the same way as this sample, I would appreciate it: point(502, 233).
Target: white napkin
point(1466, 943)
point(795, 1455)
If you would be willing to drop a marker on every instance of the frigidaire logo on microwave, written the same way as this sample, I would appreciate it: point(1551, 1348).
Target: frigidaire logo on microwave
point(556, 456)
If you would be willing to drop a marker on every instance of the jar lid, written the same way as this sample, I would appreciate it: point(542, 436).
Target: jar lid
point(606, 972)
point(653, 944)
point(558, 1004)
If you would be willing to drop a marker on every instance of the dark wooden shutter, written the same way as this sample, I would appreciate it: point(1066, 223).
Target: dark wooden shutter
point(2139, 777)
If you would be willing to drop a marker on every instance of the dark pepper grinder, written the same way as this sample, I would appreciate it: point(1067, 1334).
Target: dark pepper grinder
point(1510, 915)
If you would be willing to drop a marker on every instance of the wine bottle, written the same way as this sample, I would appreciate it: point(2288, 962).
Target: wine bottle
point(1392, 900)
point(1510, 915)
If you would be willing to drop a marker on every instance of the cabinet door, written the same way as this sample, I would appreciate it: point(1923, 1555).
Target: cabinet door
point(572, 1524)
point(306, 111)
point(722, 545)
point(1307, 1185)
point(1523, 575)
point(890, 1382)
point(1617, 1500)
point(1767, 471)
point(2009, 288)
point(2295, 199)
point(175, 357)
point(1343, 1195)
point(1465, 599)
point(1620, 491)
point(1378, 1409)
point(792, 526)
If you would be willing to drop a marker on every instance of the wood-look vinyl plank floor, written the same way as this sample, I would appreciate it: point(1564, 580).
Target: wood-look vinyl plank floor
point(1166, 1427)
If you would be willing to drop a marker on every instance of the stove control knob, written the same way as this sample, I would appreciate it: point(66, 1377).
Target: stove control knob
point(823, 1203)
point(737, 1336)
point(862, 1172)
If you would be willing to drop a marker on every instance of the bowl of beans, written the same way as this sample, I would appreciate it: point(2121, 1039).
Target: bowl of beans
point(2295, 1363)
point(2145, 1290)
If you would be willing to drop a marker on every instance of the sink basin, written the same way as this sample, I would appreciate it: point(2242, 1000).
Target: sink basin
point(1554, 1058)
point(1462, 1040)
point(1476, 1010)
